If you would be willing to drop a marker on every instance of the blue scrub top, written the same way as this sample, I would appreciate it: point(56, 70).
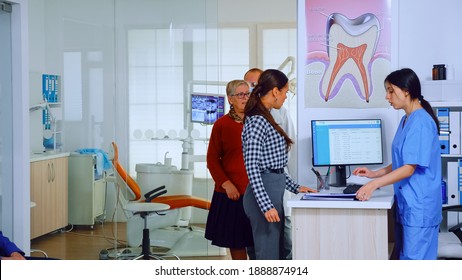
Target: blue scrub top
point(418, 198)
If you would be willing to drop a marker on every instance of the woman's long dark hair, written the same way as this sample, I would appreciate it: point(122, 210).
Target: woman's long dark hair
point(268, 80)
point(406, 79)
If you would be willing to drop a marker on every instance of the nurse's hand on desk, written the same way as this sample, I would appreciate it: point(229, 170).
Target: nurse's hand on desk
point(304, 189)
point(364, 172)
point(272, 215)
point(365, 192)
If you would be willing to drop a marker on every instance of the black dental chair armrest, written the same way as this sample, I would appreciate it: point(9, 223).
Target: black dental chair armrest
point(149, 196)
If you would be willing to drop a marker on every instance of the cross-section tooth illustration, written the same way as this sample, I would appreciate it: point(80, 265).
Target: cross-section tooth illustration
point(351, 44)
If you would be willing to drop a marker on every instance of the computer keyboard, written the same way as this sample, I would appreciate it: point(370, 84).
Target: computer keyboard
point(351, 188)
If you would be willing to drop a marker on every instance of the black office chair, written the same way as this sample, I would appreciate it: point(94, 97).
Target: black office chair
point(450, 242)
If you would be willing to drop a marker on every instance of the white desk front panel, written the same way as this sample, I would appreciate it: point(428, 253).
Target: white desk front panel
point(341, 230)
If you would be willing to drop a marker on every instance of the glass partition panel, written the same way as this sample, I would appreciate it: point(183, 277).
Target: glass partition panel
point(128, 70)
point(73, 42)
point(6, 126)
point(166, 46)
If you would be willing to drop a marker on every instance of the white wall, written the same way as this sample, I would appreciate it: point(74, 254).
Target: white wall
point(268, 11)
point(59, 27)
point(429, 33)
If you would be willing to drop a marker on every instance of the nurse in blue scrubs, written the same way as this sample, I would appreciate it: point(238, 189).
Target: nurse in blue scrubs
point(415, 171)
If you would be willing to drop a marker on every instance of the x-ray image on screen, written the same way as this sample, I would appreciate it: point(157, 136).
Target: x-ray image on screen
point(207, 108)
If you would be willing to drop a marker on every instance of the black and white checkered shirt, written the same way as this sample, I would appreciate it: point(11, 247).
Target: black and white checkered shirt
point(263, 148)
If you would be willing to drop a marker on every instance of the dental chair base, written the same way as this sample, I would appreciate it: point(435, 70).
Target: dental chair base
point(187, 242)
point(182, 241)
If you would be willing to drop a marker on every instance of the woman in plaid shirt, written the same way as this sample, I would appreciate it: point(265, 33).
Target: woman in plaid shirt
point(265, 146)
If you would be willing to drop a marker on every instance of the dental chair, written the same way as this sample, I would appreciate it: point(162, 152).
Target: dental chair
point(164, 226)
point(450, 242)
point(144, 210)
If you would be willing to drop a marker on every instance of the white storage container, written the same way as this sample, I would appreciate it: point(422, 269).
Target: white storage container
point(442, 90)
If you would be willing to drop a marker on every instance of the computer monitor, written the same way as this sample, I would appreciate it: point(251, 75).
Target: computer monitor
point(207, 108)
point(340, 143)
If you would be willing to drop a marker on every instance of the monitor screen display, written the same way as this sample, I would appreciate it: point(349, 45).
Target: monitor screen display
point(346, 142)
point(207, 108)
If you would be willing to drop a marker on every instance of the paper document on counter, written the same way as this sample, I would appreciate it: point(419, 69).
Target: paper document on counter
point(360, 180)
point(328, 196)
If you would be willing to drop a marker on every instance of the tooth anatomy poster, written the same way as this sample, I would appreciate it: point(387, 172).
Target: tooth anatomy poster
point(347, 53)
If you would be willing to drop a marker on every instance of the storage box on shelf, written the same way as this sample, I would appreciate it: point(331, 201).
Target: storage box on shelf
point(442, 90)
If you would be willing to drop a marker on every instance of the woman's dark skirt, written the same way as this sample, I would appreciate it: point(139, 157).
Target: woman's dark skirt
point(227, 225)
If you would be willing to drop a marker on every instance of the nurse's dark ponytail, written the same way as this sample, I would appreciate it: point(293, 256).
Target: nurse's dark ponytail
point(406, 79)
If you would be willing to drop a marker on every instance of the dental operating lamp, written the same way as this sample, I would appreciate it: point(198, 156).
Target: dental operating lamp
point(292, 81)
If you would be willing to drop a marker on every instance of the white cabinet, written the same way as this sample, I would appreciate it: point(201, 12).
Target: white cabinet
point(87, 192)
point(48, 192)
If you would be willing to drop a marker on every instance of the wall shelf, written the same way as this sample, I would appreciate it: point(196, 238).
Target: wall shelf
point(450, 156)
point(446, 92)
point(449, 104)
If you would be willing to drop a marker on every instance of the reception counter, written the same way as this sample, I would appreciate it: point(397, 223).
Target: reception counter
point(47, 155)
point(341, 230)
